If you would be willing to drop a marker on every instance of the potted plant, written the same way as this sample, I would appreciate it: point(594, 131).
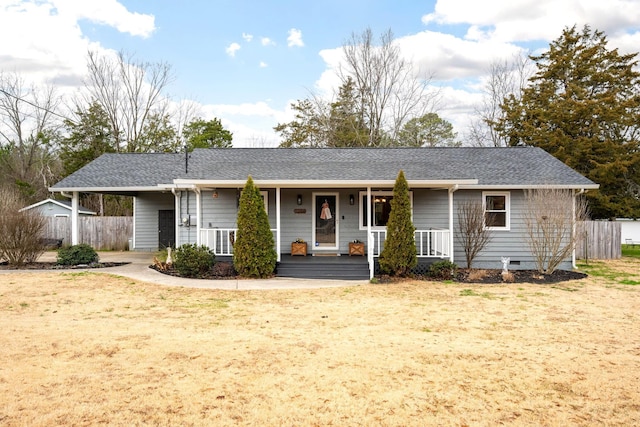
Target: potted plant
point(356, 248)
point(299, 247)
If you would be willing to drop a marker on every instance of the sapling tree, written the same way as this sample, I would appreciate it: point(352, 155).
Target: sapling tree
point(472, 234)
point(551, 217)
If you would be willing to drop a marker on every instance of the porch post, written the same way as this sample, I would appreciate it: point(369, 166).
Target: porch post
point(278, 224)
point(75, 230)
point(198, 213)
point(370, 241)
point(451, 191)
point(177, 215)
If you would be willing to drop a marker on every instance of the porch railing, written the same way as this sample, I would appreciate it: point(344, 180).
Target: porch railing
point(429, 243)
point(220, 240)
point(434, 243)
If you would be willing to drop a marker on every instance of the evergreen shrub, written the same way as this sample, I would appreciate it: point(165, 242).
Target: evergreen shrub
point(77, 254)
point(191, 260)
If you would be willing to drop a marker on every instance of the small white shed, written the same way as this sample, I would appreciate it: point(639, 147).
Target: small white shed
point(57, 208)
point(629, 230)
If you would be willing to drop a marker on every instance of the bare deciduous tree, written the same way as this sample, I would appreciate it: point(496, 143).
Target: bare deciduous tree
point(28, 128)
point(388, 86)
point(552, 217)
point(505, 78)
point(131, 92)
point(472, 235)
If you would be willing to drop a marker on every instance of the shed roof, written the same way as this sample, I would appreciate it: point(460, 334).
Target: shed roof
point(66, 204)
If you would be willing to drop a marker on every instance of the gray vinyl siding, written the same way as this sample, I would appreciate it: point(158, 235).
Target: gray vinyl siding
point(430, 209)
point(187, 231)
point(147, 206)
point(510, 243)
point(51, 209)
point(298, 225)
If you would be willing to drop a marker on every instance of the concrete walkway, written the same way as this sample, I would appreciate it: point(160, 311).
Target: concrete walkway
point(138, 269)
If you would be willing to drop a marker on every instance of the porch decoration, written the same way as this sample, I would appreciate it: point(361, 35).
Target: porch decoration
point(299, 247)
point(356, 248)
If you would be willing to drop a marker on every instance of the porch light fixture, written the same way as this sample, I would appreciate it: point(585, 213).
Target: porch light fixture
point(215, 193)
point(299, 199)
point(352, 199)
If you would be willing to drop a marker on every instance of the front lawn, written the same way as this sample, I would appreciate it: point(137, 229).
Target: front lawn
point(90, 348)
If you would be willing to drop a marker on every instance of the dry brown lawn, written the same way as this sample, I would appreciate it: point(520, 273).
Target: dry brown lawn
point(91, 349)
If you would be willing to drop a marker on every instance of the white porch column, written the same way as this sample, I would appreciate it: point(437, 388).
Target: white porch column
point(451, 191)
point(177, 215)
point(369, 239)
point(75, 230)
point(198, 214)
point(278, 237)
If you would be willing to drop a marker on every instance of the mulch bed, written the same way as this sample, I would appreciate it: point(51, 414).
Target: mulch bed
point(54, 266)
point(220, 271)
point(519, 276)
point(495, 276)
point(223, 270)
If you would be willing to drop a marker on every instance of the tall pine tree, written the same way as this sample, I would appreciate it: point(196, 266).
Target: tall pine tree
point(399, 255)
point(253, 251)
point(582, 106)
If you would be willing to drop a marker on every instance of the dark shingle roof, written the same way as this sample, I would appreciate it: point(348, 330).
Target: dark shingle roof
point(517, 166)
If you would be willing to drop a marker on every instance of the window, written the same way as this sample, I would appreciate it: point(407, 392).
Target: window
point(265, 198)
point(496, 210)
point(381, 204)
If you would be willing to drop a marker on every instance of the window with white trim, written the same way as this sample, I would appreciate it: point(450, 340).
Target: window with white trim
point(497, 208)
point(381, 207)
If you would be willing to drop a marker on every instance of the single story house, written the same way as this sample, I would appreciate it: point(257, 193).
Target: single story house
point(57, 208)
point(328, 197)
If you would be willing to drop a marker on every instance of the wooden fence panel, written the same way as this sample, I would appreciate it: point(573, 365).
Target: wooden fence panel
point(599, 240)
point(100, 232)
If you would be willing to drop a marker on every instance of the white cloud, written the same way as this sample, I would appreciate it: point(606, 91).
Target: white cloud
point(107, 12)
point(534, 20)
point(266, 41)
point(251, 123)
point(232, 49)
point(295, 38)
point(247, 37)
point(58, 53)
point(263, 64)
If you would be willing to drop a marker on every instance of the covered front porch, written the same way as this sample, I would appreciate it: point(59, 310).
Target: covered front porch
point(327, 220)
point(431, 245)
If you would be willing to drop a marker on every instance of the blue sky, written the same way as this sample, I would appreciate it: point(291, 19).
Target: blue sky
point(245, 61)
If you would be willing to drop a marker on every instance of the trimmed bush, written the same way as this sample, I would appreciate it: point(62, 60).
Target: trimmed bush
point(77, 254)
point(443, 270)
point(191, 260)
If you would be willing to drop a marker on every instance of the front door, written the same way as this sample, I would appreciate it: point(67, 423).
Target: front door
point(166, 228)
point(325, 221)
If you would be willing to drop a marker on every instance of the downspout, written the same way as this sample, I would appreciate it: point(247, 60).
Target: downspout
point(574, 265)
point(278, 237)
point(451, 191)
point(370, 241)
point(198, 212)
